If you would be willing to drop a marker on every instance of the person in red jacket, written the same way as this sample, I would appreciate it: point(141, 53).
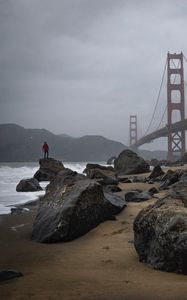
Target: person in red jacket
point(45, 149)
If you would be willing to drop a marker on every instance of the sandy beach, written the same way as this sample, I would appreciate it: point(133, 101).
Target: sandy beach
point(102, 264)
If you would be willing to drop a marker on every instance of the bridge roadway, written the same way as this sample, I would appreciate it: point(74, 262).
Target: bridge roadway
point(160, 133)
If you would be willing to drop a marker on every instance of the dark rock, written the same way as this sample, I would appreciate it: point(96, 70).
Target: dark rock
point(96, 171)
point(9, 274)
point(160, 232)
point(183, 176)
point(113, 204)
point(18, 210)
point(153, 191)
point(108, 181)
point(110, 161)
point(124, 180)
point(72, 206)
point(49, 168)
point(128, 162)
point(64, 178)
point(168, 179)
point(136, 179)
point(154, 162)
point(157, 171)
point(28, 185)
point(105, 175)
point(137, 196)
point(112, 188)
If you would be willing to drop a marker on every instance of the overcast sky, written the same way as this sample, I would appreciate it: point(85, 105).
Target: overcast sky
point(83, 66)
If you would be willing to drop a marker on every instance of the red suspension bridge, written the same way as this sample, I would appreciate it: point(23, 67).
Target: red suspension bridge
point(173, 129)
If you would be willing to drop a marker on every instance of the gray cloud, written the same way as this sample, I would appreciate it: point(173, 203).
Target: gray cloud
point(81, 66)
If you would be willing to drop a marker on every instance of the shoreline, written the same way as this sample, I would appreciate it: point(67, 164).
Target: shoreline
point(101, 264)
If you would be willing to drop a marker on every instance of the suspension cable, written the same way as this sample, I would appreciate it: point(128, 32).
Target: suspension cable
point(157, 100)
point(162, 117)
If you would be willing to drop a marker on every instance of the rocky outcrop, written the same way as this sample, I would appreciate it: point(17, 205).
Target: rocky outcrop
point(72, 206)
point(128, 162)
point(28, 185)
point(160, 232)
point(157, 171)
point(137, 196)
point(49, 168)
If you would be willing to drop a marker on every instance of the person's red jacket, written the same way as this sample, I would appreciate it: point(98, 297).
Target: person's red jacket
point(45, 147)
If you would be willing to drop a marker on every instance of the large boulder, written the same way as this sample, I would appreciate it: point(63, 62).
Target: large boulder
point(128, 162)
point(49, 168)
point(28, 185)
point(160, 232)
point(72, 206)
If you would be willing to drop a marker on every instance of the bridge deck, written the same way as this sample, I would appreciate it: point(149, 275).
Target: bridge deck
point(181, 125)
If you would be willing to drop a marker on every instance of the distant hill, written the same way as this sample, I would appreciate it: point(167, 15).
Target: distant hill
point(20, 144)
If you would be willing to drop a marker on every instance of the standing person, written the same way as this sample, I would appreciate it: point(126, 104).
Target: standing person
point(45, 149)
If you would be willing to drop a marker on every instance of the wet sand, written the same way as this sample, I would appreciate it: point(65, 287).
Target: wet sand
point(101, 265)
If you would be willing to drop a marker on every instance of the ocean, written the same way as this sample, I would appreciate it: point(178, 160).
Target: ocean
point(12, 173)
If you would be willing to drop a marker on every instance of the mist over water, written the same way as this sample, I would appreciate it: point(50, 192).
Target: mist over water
point(12, 173)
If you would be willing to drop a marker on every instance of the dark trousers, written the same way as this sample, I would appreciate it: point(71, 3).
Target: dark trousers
point(46, 154)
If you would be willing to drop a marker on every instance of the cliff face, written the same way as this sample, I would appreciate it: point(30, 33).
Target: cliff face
point(20, 144)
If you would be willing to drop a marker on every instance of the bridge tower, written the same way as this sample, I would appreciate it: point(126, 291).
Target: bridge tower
point(133, 130)
point(176, 140)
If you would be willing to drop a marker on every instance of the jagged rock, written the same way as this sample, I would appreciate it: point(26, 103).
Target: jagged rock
point(72, 206)
point(157, 171)
point(137, 196)
point(160, 232)
point(49, 168)
point(9, 274)
point(112, 188)
point(128, 162)
point(153, 191)
point(96, 171)
point(168, 179)
point(28, 185)
point(110, 161)
point(105, 175)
